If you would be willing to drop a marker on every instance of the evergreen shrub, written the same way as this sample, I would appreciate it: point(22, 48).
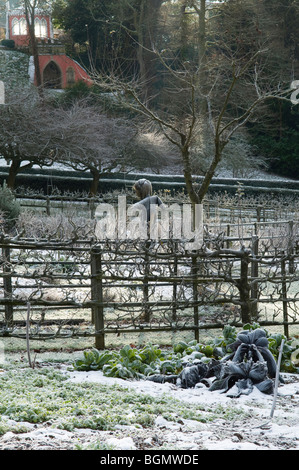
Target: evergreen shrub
point(9, 206)
point(9, 43)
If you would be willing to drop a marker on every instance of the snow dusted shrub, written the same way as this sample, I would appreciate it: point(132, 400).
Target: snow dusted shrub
point(64, 226)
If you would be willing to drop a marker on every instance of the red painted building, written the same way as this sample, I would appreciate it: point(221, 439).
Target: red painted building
point(18, 30)
point(57, 69)
point(60, 71)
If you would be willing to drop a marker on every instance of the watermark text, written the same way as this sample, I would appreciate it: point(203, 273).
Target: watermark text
point(295, 94)
point(2, 93)
point(179, 222)
point(2, 355)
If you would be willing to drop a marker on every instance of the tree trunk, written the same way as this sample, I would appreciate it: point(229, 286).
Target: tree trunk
point(34, 52)
point(30, 15)
point(244, 290)
point(145, 23)
point(184, 31)
point(202, 40)
point(204, 187)
point(202, 78)
point(12, 174)
point(188, 177)
point(139, 25)
point(93, 190)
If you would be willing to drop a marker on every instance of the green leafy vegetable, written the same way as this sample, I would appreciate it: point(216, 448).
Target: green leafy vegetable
point(132, 363)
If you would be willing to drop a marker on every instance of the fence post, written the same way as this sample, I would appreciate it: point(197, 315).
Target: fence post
point(195, 295)
point(7, 285)
point(48, 206)
point(244, 288)
point(291, 247)
point(147, 311)
point(97, 297)
point(174, 287)
point(228, 242)
point(284, 296)
point(92, 207)
point(254, 276)
point(258, 213)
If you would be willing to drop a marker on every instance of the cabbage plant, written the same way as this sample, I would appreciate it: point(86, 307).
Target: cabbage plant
point(253, 345)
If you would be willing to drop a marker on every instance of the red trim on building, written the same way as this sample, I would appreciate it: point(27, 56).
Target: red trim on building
point(70, 70)
point(57, 70)
point(22, 40)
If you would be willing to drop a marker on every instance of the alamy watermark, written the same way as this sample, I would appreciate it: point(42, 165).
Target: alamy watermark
point(295, 94)
point(2, 355)
point(2, 93)
point(135, 222)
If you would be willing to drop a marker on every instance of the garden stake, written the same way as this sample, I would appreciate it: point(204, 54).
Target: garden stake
point(277, 379)
point(31, 363)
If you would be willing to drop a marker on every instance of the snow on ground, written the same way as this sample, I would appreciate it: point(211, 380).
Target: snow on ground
point(254, 175)
point(283, 430)
point(253, 431)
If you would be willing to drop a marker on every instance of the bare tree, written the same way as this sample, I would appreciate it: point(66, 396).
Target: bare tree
point(87, 139)
point(31, 8)
point(90, 140)
point(81, 136)
point(23, 138)
point(216, 99)
point(138, 23)
point(38, 133)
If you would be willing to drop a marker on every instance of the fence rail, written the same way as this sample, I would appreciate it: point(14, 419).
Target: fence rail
point(225, 209)
point(82, 288)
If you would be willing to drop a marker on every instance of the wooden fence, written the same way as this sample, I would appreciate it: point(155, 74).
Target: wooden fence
point(80, 288)
point(225, 209)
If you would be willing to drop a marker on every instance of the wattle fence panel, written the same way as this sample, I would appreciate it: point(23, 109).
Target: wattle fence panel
point(83, 288)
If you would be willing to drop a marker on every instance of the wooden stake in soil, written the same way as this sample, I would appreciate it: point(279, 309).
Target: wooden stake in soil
point(31, 364)
point(277, 379)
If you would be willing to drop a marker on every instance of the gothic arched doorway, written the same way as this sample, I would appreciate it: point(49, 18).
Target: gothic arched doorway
point(52, 76)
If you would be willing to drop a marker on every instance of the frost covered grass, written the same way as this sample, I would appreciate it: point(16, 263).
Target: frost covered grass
point(54, 406)
point(45, 395)
point(71, 392)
